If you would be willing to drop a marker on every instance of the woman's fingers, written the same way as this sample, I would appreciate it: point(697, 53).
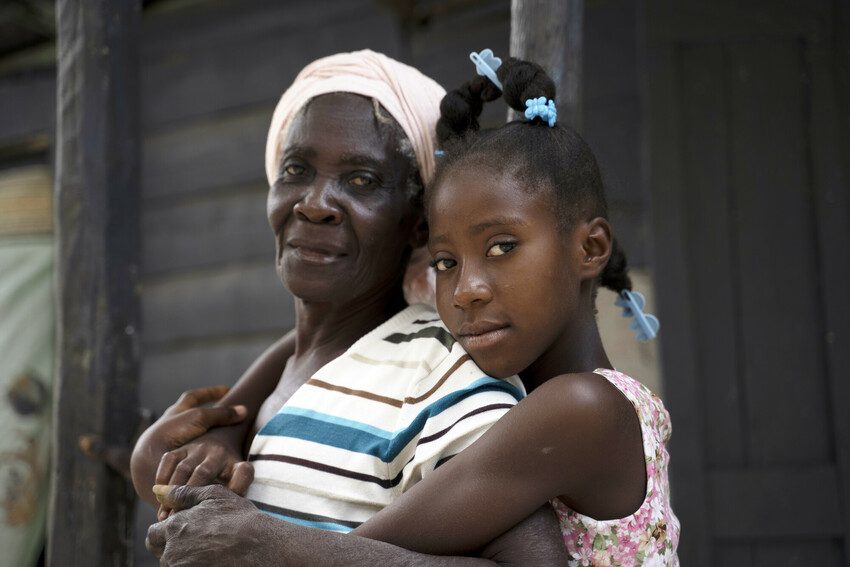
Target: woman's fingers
point(184, 470)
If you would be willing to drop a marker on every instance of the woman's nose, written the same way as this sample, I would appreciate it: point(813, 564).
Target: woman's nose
point(319, 204)
point(472, 289)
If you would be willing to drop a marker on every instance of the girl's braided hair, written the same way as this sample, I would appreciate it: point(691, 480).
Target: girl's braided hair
point(555, 159)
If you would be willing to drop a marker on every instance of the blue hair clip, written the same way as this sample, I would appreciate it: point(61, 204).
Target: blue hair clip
point(542, 107)
point(644, 325)
point(486, 64)
point(439, 153)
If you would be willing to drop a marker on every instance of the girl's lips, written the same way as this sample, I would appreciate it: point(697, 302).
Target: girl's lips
point(484, 338)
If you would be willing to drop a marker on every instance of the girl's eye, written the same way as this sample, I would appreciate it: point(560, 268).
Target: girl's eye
point(501, 248)
point(443, 264)
point(362, 181)
point(294, 169)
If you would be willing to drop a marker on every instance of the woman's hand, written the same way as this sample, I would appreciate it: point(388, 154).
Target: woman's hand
point(215, 527)
point(181, 423)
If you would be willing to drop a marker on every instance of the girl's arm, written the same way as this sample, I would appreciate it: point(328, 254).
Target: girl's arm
point(576, 436)
point(184, 437)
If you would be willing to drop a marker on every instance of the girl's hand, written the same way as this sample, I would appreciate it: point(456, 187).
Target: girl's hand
point(209, 459)
point(181, 423)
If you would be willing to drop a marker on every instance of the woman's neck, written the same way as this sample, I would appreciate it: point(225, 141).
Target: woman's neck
point(578, 349)
point(331, 328)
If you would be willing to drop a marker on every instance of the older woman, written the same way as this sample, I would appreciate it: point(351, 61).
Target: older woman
point(375, 394)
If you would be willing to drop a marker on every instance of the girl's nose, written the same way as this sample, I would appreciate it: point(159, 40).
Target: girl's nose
point(319, 204)
point(471, 290)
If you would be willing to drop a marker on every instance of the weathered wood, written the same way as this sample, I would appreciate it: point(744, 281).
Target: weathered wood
point(206, 232)
point(831, 182)
point(728, 20)
point(682, 387)
point(710, 231)
point(785, 415)
point(27, 105)
point(774, 502)
point(211, 154)
point(237, 300)
point(166, 374)
point(550, 34)
point(820, 552)
point(97, 256)
point(245, 53)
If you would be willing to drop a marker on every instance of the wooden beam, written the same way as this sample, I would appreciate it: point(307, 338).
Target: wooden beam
point(91, 512)
point(549, 32)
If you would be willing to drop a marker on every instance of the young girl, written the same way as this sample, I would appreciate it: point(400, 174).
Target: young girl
point(520, 243)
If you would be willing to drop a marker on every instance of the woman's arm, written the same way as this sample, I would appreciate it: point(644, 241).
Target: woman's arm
point(218, 527)
point(576, 436)
point(184, 442)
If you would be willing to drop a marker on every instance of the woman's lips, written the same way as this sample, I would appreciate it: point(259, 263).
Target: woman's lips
point(311, 253)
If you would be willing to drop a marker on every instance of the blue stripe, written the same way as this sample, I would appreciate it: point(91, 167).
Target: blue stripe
point(330, 526)
point(354, 436)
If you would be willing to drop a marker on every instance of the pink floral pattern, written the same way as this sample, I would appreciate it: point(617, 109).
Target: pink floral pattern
point(650, 536)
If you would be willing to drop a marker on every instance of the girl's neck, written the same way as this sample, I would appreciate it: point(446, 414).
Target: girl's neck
point(578, 349)
point(331, 328)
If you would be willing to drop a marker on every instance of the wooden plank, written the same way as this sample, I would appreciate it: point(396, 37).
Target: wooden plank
point(776, 502)
point(222, 152)
point(206, 232)
point(551, 33)
point(823, 553)
point(784, 374)
point(733, 554)
point(831, 183)
point(166, 374)
point(247, 53)
point(710, 232)
point(241, 299)
point(91, 521)
point(675, 303)
point(728, 20)
point(27, 105)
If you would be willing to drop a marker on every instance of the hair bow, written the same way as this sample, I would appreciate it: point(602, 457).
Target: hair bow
point(644, 325)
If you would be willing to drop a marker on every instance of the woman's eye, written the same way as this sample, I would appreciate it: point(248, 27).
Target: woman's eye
point(362, 180)
point(443, 264)
point(294, 169)
point(501, 248)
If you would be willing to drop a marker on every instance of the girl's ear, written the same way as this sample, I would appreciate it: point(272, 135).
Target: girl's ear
point(596, 244)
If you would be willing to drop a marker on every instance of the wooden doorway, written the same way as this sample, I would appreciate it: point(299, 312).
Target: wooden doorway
point(747, 108)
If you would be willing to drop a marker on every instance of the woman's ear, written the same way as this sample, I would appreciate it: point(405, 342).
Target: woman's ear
point(419, 236)
point(597, 243)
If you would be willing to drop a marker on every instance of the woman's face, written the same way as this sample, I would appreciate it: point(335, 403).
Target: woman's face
point(339, 210)
point(506, 280)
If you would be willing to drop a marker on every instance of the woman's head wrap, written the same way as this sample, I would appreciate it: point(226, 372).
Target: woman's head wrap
point(407, 95)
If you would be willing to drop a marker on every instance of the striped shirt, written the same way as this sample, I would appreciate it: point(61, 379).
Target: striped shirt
point(371, 423)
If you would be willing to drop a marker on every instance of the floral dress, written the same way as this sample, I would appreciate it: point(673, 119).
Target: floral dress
point(650, 536)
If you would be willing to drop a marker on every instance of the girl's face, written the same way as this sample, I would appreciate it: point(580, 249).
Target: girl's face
point(508, 279)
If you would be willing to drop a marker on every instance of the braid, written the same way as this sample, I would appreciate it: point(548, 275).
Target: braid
point(460, 109)
point(524, 80)
point(615, 275)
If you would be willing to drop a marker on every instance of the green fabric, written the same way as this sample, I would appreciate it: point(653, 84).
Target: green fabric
point(26, 375)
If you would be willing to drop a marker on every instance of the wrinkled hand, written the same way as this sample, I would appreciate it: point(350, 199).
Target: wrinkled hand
point(214, 526)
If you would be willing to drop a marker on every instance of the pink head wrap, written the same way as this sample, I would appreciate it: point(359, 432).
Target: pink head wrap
point(409, 96)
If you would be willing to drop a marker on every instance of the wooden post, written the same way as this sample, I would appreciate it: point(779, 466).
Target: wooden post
point(96, 197)
point(549, 32)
